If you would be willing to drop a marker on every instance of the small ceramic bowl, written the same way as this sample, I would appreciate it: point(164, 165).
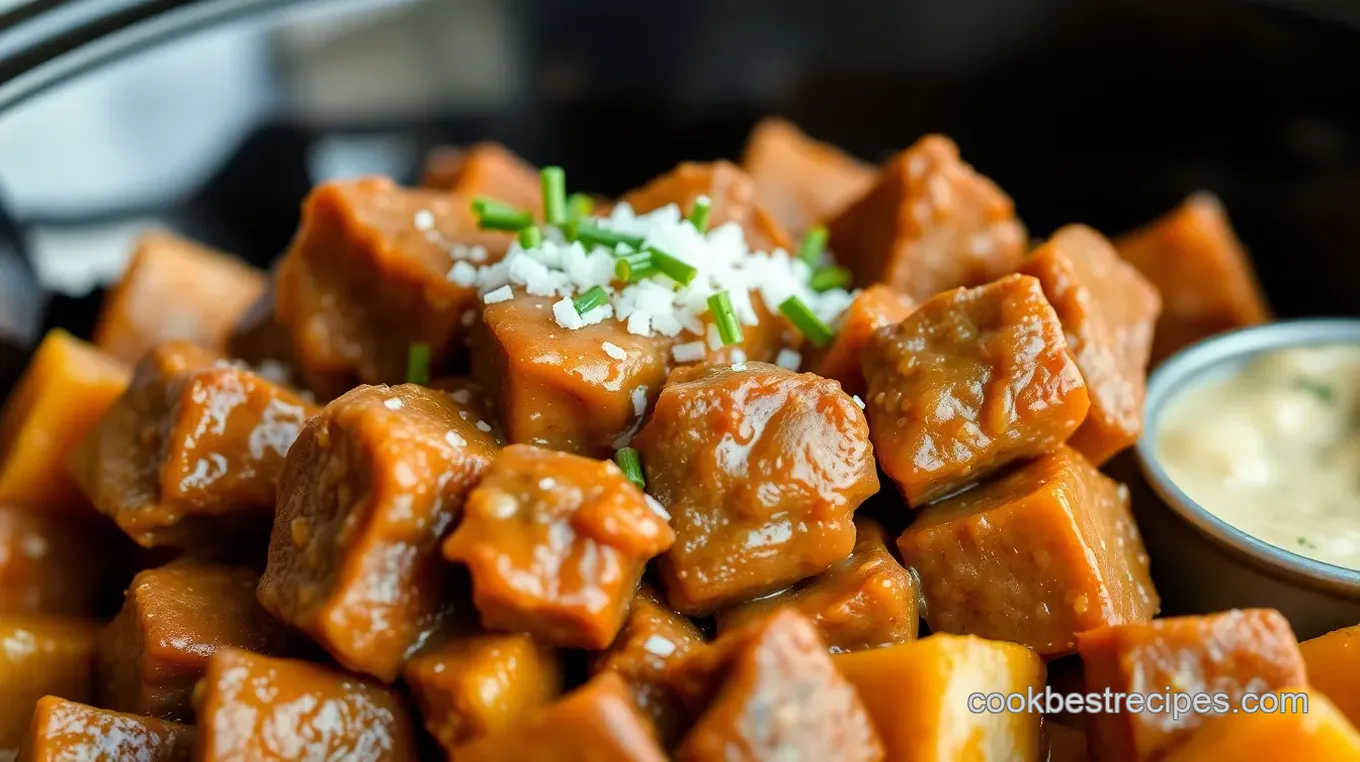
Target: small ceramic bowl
point(1201, 563)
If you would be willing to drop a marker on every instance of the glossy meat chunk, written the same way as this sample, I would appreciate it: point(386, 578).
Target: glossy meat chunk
point(873, 308)
point(556, 544)
point(484, 169)
point(472, 685)
point(192, 451)
point(175, 290)
point(866, 601)
point(1046, 552)
point(40, 656)
point(972, 380)
point(254, 708)
point(802, 181)
point(365, 496)
point(260, 339)
point(759, 343)
point(917, 695)
point(67, 731)
point(1233, 652)
point(761, 469)
point(66, 389)
point(653, 640)
point(594, 723)
point(772, 692)
point(173, 618)
point(50, 564)
point(560, 389)
point(1334, 668)
point(1107, 311)
point(1320, 733)
point(929, 224)
point(367, 276)
point(731, 192)
point(1205, 276)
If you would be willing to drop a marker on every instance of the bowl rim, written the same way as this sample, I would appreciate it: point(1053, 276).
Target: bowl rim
point(1189, 367)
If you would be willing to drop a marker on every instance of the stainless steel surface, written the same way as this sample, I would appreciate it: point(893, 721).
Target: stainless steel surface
point(1201, 562)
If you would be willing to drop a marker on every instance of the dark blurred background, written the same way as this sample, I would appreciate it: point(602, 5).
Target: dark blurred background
point(214, 118)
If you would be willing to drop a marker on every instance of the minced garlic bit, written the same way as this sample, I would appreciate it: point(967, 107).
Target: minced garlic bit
point(455, 440)
point(614, 350)
point(392, 403)
point(484, 426)
point(787, 358)
point(719, 257)
point(859, 402)
point(689, 352)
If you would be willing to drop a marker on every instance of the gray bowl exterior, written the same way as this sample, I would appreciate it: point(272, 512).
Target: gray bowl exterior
point(1202, 564)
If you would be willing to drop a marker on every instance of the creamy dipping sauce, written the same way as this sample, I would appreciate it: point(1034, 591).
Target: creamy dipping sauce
point(1274, 450)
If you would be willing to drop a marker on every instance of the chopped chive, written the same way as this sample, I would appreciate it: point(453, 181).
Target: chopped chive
point(501, 217)
point(530, 237)
point(725, 318)
point(630, 462)
point(1322, 391)
point(677, 270)
point(828, 278)
point(634, 266)
point(592, 298)
point(418, 364)
point(806, 321)
point(579, 205)
point(554, 195)
point(814, 244)
point(698, 214)
point(595, 235)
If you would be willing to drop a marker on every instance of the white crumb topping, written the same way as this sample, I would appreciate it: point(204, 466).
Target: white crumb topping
point(392, 403)
point(502, 294)
point(788, 358)
point(689, 352)
point(614, 350)
point(859, 402)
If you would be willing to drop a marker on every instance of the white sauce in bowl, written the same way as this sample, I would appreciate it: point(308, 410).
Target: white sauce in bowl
point(1274, 450)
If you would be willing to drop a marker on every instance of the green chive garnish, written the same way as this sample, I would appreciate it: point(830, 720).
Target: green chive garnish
point(725, 318)
point(595, 235)
point(698, 214)
point(592, 298)
point(554, 195)
point(418, 364)
point(497, 215)
point(806, 321)
point(634, 266)
point(630, 462)
point(814, 244)
point(677, 270)
point(828, 278)
point(579, 206)
point(530, 237)
point(1322, 391)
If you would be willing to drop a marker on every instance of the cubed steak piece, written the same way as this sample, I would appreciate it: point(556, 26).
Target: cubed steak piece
point(974, 379)
point(873, 308)
point(556, 544)
point(254, 708)
point(917, 695)
point(366, 278)
point(191, 453)
point(929, 224)
point(66, 389)
point(1205, 276)
point(175, 290)
point(1232, 653)
point(50, 564)
point(731, 193)
point(484, 169)
point(173, 618)
point(770, 691)
point(866, 601)
point(1046, 552)
point(594, 723)
point(260, 339)
point(583, 391)
point(365, 496)
point(469, 686)
point(1334, 668)
point(67, 731)
point(653, 639)
point(1107, 311)
point(40, 656)
point(762, 469)
point(802, 181)
point(1304, 725)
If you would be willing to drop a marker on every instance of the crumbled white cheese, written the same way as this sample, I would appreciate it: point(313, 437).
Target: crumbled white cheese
point(788, 358)
point(614, 350)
